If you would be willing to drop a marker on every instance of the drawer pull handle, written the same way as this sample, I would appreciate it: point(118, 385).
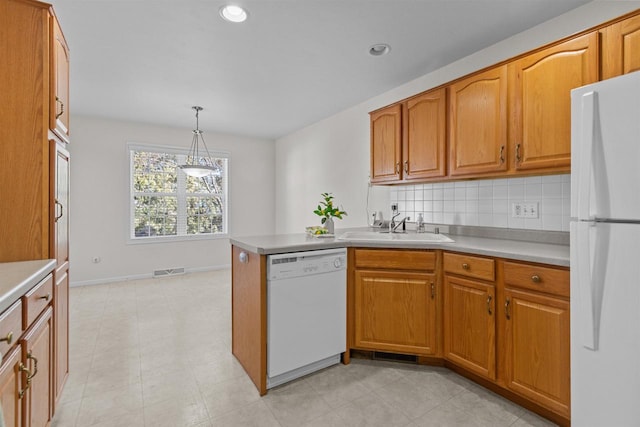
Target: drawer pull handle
point(23, 368)
point(501, 154)
point(8, 338)
point(35, 366)
point(59, 101)
point(58, 205)
point(433, 291)
point(406, 167)
point(489, 298)
point(518, 157)
point(506, 309)
point(45, 297)
point(466, 266)
point(535, 278)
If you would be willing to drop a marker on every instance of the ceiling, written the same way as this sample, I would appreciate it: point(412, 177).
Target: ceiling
point(292, 63)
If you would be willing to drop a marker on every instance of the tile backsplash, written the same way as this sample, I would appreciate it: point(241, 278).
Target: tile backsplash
point(488, 202)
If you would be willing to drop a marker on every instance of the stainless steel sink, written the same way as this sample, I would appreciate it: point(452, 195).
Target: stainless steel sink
point(377, 236)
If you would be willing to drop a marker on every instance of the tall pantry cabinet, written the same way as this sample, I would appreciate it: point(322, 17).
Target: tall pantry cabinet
point(34, 168)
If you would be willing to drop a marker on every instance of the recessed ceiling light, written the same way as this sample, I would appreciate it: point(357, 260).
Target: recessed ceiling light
point(233, 13)
point(379, 49)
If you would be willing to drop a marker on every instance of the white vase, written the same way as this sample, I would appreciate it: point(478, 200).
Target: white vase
point(328, 224)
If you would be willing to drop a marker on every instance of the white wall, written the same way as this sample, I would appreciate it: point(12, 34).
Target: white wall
point(333, 155)
point(100, 205)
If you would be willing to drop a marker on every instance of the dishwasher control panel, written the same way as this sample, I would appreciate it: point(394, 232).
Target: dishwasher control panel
point(284, 266)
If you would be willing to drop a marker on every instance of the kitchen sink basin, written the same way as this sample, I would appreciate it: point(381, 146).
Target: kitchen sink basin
point(377, 236)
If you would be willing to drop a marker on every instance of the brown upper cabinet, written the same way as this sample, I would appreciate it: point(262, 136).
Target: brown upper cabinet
point(540, 104)
point(386, 144)
point(621, 47)
point(408, 140)
point(478, 123)
point(59, 100)
point(510, 119)
point(424, 135)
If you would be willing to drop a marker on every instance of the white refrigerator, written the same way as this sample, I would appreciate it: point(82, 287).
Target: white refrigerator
point(605, 253)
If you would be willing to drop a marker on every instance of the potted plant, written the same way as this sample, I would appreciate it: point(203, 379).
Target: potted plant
point(328, 211)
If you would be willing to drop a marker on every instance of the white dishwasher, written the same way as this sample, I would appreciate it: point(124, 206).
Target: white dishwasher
point(306, 313)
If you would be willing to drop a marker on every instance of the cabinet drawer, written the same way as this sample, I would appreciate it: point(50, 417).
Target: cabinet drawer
point(10, 326)
point(544, 279)
point(395, 259)
point(470, 266)
point(36, 300)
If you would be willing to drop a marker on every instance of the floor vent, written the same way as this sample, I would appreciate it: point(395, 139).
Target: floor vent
point(168, 272)
point(379, 355)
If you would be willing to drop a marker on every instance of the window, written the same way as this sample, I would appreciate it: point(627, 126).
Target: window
point(167, 204)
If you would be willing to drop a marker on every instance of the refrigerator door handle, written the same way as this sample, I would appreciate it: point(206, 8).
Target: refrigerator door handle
point(589, 105)
point(582, 264)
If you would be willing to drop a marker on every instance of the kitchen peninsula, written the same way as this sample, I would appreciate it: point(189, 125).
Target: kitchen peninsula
point(493, 306)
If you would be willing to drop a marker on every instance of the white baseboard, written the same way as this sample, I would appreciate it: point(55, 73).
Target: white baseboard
point(102, 281)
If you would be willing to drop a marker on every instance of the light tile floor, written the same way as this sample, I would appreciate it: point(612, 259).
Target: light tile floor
point(157, 353)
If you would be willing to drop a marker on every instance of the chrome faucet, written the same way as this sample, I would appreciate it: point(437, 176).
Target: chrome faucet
point(393, 226)
point(392, 222)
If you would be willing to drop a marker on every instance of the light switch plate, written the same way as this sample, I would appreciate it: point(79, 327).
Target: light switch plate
point(524, 210)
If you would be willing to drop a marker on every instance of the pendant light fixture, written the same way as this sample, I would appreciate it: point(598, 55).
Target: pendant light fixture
point(198, 162)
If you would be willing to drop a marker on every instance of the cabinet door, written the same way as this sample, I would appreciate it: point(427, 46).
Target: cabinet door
point(424, 136)
point(386, 144)
point(621, 48)
point(24, 178)
point(469, 325)
point(396, 311)
point(37, 351)
point(541, 101)
point(60, 203)
point(537, 341)
point(61, 332)
point(478, 123)
point(59, 103)
point(10, 389)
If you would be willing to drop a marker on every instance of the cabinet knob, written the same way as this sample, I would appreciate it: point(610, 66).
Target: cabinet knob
point(535, 278)
point(8, 338)
point(466, 266)
point(243, 257)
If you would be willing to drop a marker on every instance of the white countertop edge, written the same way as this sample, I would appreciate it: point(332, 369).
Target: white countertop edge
point(16, 278)
point(542, 253)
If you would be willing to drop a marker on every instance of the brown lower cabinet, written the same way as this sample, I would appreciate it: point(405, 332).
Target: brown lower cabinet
point(10, 373)
point(395, 302)
point(502, 323)
point(37, 358)
point(470, 324)
point(26, 371)
point(536, 335)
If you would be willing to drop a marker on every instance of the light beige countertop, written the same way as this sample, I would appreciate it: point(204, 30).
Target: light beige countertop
point(16, 278)
point(542, 247)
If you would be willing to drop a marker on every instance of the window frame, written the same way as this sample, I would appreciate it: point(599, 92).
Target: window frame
point(181, 196)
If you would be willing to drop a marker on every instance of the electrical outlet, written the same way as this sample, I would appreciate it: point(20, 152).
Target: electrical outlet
point(524, 210)
point(394, 208)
